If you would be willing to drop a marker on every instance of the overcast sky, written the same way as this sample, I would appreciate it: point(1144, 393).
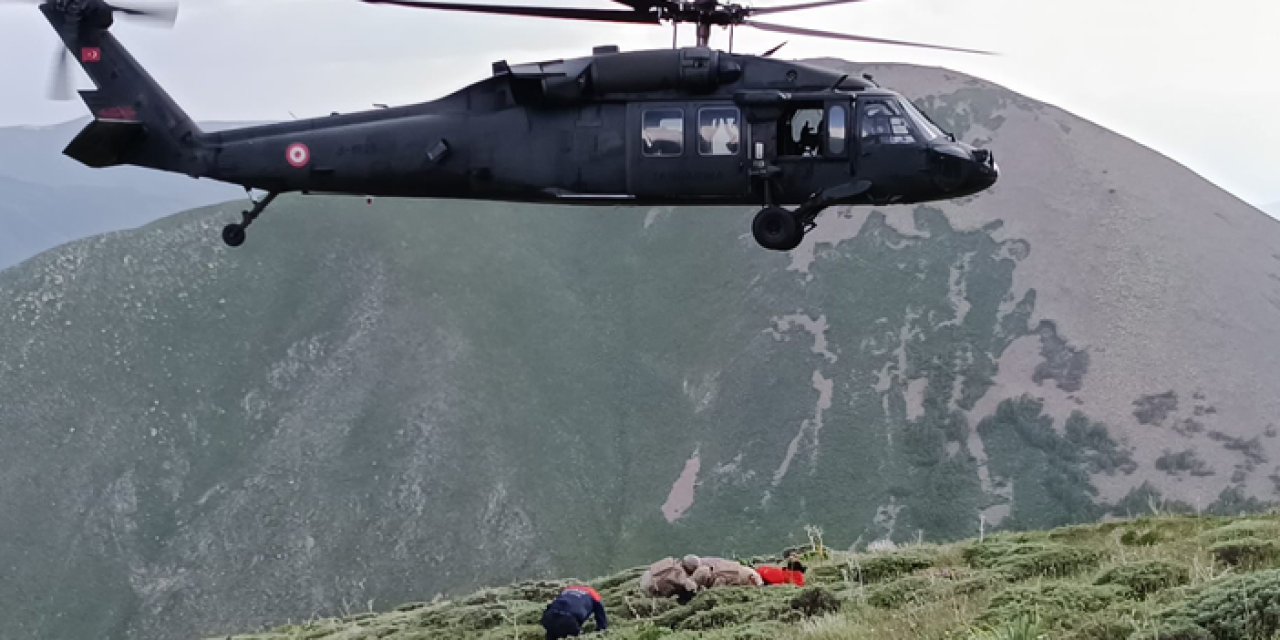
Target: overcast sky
point(1198, 81)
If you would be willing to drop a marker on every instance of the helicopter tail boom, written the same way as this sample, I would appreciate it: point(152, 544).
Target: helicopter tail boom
point(135, 120)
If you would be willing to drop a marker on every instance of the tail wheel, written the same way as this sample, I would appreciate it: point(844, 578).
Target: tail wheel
point(777, 229)
point(233, 235)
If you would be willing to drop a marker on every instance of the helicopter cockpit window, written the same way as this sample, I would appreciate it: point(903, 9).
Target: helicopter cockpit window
point(663, 132)
point(718, 131)
point(802, 131)
point(837, 115)
point(883, 121)
point(928, 130)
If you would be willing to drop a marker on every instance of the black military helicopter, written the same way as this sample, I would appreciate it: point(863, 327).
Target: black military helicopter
point(690, 126)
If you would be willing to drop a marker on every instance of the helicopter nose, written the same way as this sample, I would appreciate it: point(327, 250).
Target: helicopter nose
point(958, 169)
point(985, 172)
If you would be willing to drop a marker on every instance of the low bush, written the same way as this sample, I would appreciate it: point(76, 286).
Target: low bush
point(1022, 560)
point(1055, 603)
point(879, 567)
point(1246, 552)
point(1145, 578)
point(1245, 607)
point(815, 601)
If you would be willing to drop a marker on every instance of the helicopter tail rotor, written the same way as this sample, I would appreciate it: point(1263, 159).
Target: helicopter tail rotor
point(78, 16)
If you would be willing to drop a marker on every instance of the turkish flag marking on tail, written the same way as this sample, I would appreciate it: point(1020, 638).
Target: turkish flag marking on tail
point(90, 54)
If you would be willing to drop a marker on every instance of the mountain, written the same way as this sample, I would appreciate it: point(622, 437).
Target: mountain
point(380, 403)
point(47, 199)
point(1157, 577)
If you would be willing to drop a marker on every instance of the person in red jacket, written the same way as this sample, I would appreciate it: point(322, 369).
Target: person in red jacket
point(791, 573)
point(565, 615)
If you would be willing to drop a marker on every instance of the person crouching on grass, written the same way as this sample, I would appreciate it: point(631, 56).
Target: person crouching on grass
point(566, 614)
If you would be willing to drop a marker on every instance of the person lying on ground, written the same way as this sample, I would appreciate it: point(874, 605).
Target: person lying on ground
point(670, 577)
point(727, 573)
point(792, 572)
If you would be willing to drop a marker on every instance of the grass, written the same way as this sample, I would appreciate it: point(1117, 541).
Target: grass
point(1162, 577)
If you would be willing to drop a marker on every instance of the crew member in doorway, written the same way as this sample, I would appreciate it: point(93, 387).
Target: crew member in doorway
point(566, 614)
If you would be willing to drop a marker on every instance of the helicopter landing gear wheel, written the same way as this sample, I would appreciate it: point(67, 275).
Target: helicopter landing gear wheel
point(777, 229)
point(233, 234)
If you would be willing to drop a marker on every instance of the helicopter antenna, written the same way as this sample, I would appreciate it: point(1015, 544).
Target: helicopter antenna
point(703, 13)
point(773, 50)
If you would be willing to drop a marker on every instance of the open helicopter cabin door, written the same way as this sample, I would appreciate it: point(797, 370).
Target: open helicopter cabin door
point(806, 137)
point(686, 149)
point(813, 143)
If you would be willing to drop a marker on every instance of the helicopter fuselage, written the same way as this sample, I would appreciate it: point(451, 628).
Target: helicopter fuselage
point(661, 146)
point(690, 126)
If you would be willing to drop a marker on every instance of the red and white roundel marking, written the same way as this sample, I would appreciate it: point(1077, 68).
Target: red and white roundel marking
point(298, 155)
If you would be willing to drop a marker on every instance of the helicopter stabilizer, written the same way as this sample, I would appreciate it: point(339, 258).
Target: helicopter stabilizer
point(135, 120)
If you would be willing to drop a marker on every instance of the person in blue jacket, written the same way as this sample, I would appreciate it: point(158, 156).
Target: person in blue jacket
point(565, 615)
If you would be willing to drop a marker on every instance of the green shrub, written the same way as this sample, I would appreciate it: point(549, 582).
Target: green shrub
point(1054, 602)
point(616, 580)
point(1246, 552)
point(893, 594)
point(639, 607)
point(1145, 578)
point(1027, 627)
point(1245, 607)
point(1140, 538)
point(829, 573)
point(1240, 529)
point(1173, 629)
point(1021, 560)
point(740, 603)
point(815, 601)
point(885, 566)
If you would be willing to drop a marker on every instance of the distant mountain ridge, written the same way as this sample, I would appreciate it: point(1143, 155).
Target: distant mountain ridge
point(47, 199)
point(384, 402)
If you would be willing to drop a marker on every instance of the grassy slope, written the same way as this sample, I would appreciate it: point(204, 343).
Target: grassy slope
point(1170, 577)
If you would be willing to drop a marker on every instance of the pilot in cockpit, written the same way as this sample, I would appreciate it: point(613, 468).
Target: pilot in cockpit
point(875, 120)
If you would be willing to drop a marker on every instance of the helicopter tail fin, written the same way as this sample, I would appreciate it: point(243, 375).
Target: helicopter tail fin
point(134, 120)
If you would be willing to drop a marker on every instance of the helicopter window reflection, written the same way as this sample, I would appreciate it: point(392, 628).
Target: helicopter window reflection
point(836, 118)
point(718, 131)
point(663, 132)
point(882, 121)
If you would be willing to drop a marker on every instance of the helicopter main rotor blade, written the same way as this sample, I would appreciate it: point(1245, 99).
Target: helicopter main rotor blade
point(807, 5)
point(800, 31)
point(598, 15)
point(641, 5)
point(60, 76)
point(165, 15)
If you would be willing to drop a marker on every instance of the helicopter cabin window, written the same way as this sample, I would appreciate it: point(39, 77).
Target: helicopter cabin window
point(663, 132)
point(883, 122)
point(837, 116)
point(718, 131)
point(802, 131)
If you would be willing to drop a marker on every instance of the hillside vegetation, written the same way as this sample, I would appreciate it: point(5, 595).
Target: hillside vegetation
point(1167, 577)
